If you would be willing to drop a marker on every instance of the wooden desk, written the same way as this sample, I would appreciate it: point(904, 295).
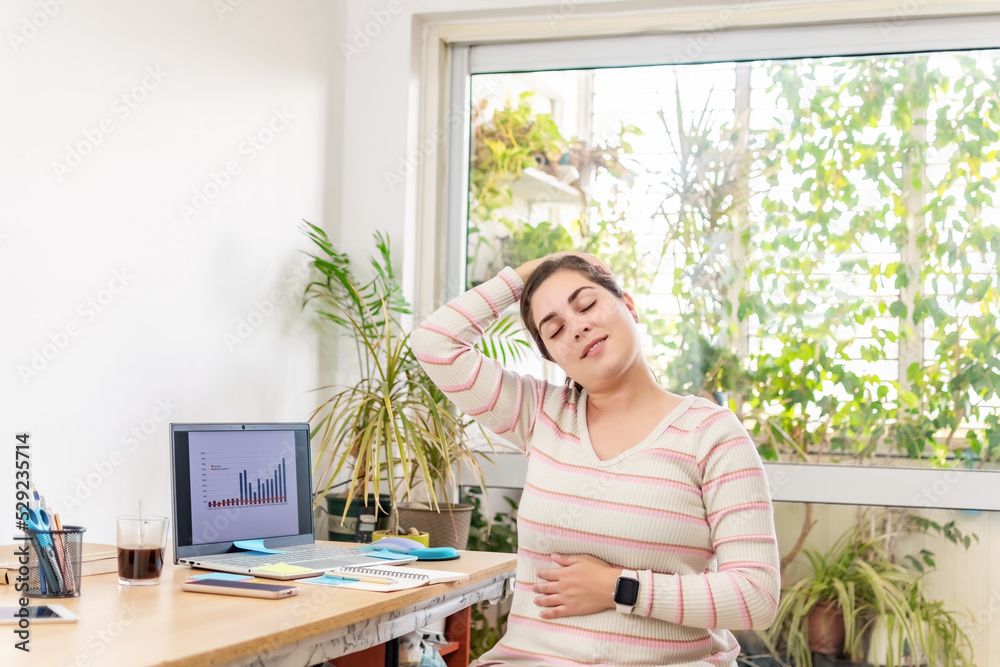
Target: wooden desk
point(123, 626)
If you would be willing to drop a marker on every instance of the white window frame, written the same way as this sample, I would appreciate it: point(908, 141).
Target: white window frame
point(453, 50)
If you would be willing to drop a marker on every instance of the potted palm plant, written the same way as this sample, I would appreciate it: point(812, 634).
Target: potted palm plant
point(392, 429)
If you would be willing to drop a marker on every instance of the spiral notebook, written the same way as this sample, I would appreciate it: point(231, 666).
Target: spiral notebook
point(397, 578)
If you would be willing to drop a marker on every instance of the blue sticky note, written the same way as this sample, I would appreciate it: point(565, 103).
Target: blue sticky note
point(225, 576)
point(256, 546)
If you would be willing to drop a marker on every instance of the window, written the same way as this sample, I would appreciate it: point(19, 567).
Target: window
point(808, 217)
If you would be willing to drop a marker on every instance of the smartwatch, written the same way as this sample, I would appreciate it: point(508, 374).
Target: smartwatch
point(626, 591)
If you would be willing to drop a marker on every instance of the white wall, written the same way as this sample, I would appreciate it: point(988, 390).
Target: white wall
point(196, 315)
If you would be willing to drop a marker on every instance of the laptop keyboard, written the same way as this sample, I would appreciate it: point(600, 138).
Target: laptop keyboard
point(296, 556)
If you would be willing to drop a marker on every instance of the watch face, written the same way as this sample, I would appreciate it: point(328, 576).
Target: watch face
point(626, 591)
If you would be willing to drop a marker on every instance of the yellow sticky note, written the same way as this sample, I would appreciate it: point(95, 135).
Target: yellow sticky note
point(283, 568)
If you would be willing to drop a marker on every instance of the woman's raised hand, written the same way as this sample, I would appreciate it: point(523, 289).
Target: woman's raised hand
point(526, 269)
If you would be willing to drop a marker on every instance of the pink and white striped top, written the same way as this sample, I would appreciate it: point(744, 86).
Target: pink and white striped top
point(688, 508)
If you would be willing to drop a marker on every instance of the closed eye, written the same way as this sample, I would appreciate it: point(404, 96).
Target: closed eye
point(582, 310)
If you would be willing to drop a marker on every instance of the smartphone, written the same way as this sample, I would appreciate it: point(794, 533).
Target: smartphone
point(250, 589)
point(46, 613)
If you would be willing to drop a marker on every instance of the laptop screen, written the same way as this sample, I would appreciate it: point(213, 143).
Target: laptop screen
point(240, 482)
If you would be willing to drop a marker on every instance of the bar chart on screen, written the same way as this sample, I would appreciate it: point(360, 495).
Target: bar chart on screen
point(244, 479)
point(244, 485)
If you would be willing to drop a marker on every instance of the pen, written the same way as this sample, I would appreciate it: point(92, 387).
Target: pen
point(367, 578)
point(53, 582)
point(53, 566)
point(42, 569)
point(35, 542)
point(63, 556)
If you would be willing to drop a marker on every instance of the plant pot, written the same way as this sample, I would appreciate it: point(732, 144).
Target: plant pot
point(826, 629)
point(349, 530)
point(883, 642)
point(448, 528)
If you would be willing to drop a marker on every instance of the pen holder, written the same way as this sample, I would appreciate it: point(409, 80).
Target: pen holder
point(54, 562)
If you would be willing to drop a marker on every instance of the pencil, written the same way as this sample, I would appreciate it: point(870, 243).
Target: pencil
point(62, 552)
point(367, 578)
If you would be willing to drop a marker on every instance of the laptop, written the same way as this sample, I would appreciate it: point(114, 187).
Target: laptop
point(250, 482)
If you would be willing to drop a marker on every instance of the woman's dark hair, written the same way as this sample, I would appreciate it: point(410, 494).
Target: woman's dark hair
point(543, 271)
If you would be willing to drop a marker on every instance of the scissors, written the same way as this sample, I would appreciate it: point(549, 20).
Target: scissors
point(38, 521)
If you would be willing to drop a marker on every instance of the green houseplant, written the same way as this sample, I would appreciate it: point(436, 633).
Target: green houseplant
point(392, 427)
point(873, 606)
point(391, 430)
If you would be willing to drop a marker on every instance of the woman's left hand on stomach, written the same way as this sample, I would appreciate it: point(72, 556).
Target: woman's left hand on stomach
point(580, 585)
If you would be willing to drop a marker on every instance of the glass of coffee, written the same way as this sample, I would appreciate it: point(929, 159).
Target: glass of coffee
point(141, 541)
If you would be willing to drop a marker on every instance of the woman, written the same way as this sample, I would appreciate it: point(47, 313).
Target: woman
point(645, 529)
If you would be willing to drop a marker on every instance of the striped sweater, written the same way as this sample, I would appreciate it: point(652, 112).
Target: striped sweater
point(688, 508)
